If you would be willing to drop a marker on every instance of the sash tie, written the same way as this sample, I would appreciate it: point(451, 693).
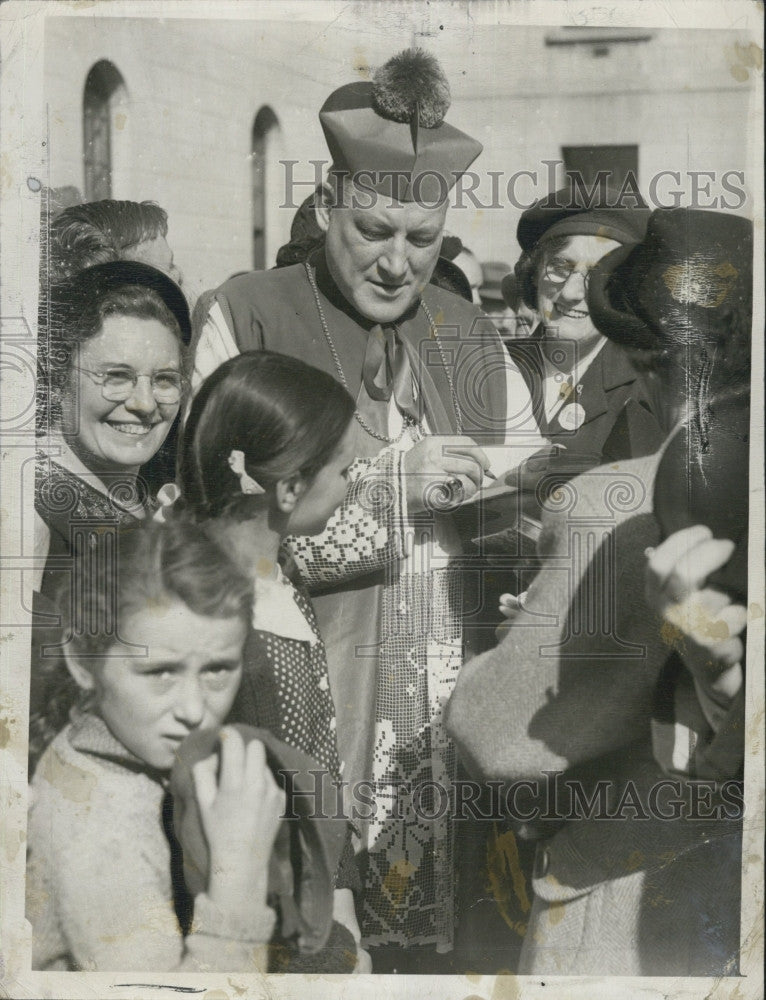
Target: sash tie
point(387, 371)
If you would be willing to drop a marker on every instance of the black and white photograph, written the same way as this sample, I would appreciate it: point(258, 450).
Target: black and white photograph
point(381, 443)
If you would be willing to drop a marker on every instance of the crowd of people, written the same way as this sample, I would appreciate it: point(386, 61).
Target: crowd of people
point(255, 718)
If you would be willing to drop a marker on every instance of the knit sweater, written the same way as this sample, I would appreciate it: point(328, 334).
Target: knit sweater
point(99, 891)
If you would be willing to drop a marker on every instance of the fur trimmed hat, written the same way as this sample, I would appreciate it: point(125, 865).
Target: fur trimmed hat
point(390, 134)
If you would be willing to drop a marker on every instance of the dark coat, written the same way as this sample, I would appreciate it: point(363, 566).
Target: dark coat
point(623, 414)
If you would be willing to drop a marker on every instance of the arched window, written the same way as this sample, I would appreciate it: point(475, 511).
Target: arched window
point(265, 139)
point(104, 90)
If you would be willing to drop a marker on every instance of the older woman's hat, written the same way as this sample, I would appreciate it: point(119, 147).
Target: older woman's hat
point(691, 270)
point(575, 210)
point(100, 279)
point(390, 133)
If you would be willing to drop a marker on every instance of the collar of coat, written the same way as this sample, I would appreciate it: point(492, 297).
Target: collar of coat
point(89, 734)
point(610, 369)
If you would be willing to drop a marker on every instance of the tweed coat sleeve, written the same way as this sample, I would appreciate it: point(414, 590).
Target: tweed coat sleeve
point(573, 679)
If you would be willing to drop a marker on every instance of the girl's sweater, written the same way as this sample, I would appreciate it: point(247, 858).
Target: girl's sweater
point(99, 888)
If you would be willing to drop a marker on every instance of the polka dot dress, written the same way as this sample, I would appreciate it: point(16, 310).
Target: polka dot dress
point(285, 688)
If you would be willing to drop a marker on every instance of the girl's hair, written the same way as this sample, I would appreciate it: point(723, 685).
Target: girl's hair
point(528, 266)
point(115, 575)
point(286, 417)
point(76, 313)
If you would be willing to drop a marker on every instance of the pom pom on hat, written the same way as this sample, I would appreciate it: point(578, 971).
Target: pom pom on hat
point(412, 80)
point(393, 130)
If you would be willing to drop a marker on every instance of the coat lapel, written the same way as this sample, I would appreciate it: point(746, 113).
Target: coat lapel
point(590, 393)
point(610, 369)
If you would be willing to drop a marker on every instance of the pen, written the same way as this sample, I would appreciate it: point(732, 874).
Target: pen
point(489, 475)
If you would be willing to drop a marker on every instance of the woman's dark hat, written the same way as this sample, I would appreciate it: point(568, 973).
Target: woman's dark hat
point(448, 275)
point(103, 278)
point(691, 270)
point(576, 210)
point(392, 130)
point(307, 849)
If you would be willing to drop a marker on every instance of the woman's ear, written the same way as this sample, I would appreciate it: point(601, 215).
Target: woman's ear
point(82, 676)
point(324, 203)
point(288, 492)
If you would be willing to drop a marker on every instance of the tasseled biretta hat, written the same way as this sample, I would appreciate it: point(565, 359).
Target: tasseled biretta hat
point(390, 134)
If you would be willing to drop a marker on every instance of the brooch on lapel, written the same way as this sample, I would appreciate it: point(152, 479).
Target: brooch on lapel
point(572, 417)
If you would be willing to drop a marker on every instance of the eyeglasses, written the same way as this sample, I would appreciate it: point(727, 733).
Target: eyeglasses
point(560, 271)
point(118, 384)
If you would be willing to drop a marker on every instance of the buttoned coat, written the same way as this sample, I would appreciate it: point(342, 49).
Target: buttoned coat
point(622, 414)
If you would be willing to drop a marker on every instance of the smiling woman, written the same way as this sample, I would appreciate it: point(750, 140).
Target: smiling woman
point(111, 384)
point(116, 416)
point(588, 396)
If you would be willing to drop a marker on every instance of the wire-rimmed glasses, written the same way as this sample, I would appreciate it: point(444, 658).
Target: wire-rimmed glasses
point(559, 271)
point(118, 383)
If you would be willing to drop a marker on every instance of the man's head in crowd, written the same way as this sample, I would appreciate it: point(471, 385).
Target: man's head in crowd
point(526, 318)
point(101, 231)
point(469, 264)
point(394, 161)
point(491, 297)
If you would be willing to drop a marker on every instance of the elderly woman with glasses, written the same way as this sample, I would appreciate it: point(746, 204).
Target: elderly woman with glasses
point(587, 395)
point(110, 387)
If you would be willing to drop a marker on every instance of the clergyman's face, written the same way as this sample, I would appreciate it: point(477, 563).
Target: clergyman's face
point(381, 257)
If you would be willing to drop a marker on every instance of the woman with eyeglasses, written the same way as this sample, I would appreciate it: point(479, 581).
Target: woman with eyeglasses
point(587, 395)
point(111, 382)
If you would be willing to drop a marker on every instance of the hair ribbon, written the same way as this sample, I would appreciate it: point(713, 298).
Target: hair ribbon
point(167, 495)
point(247, 483)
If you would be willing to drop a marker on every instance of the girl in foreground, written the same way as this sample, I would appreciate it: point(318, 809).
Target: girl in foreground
point(100, 876)
point(266, 453)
